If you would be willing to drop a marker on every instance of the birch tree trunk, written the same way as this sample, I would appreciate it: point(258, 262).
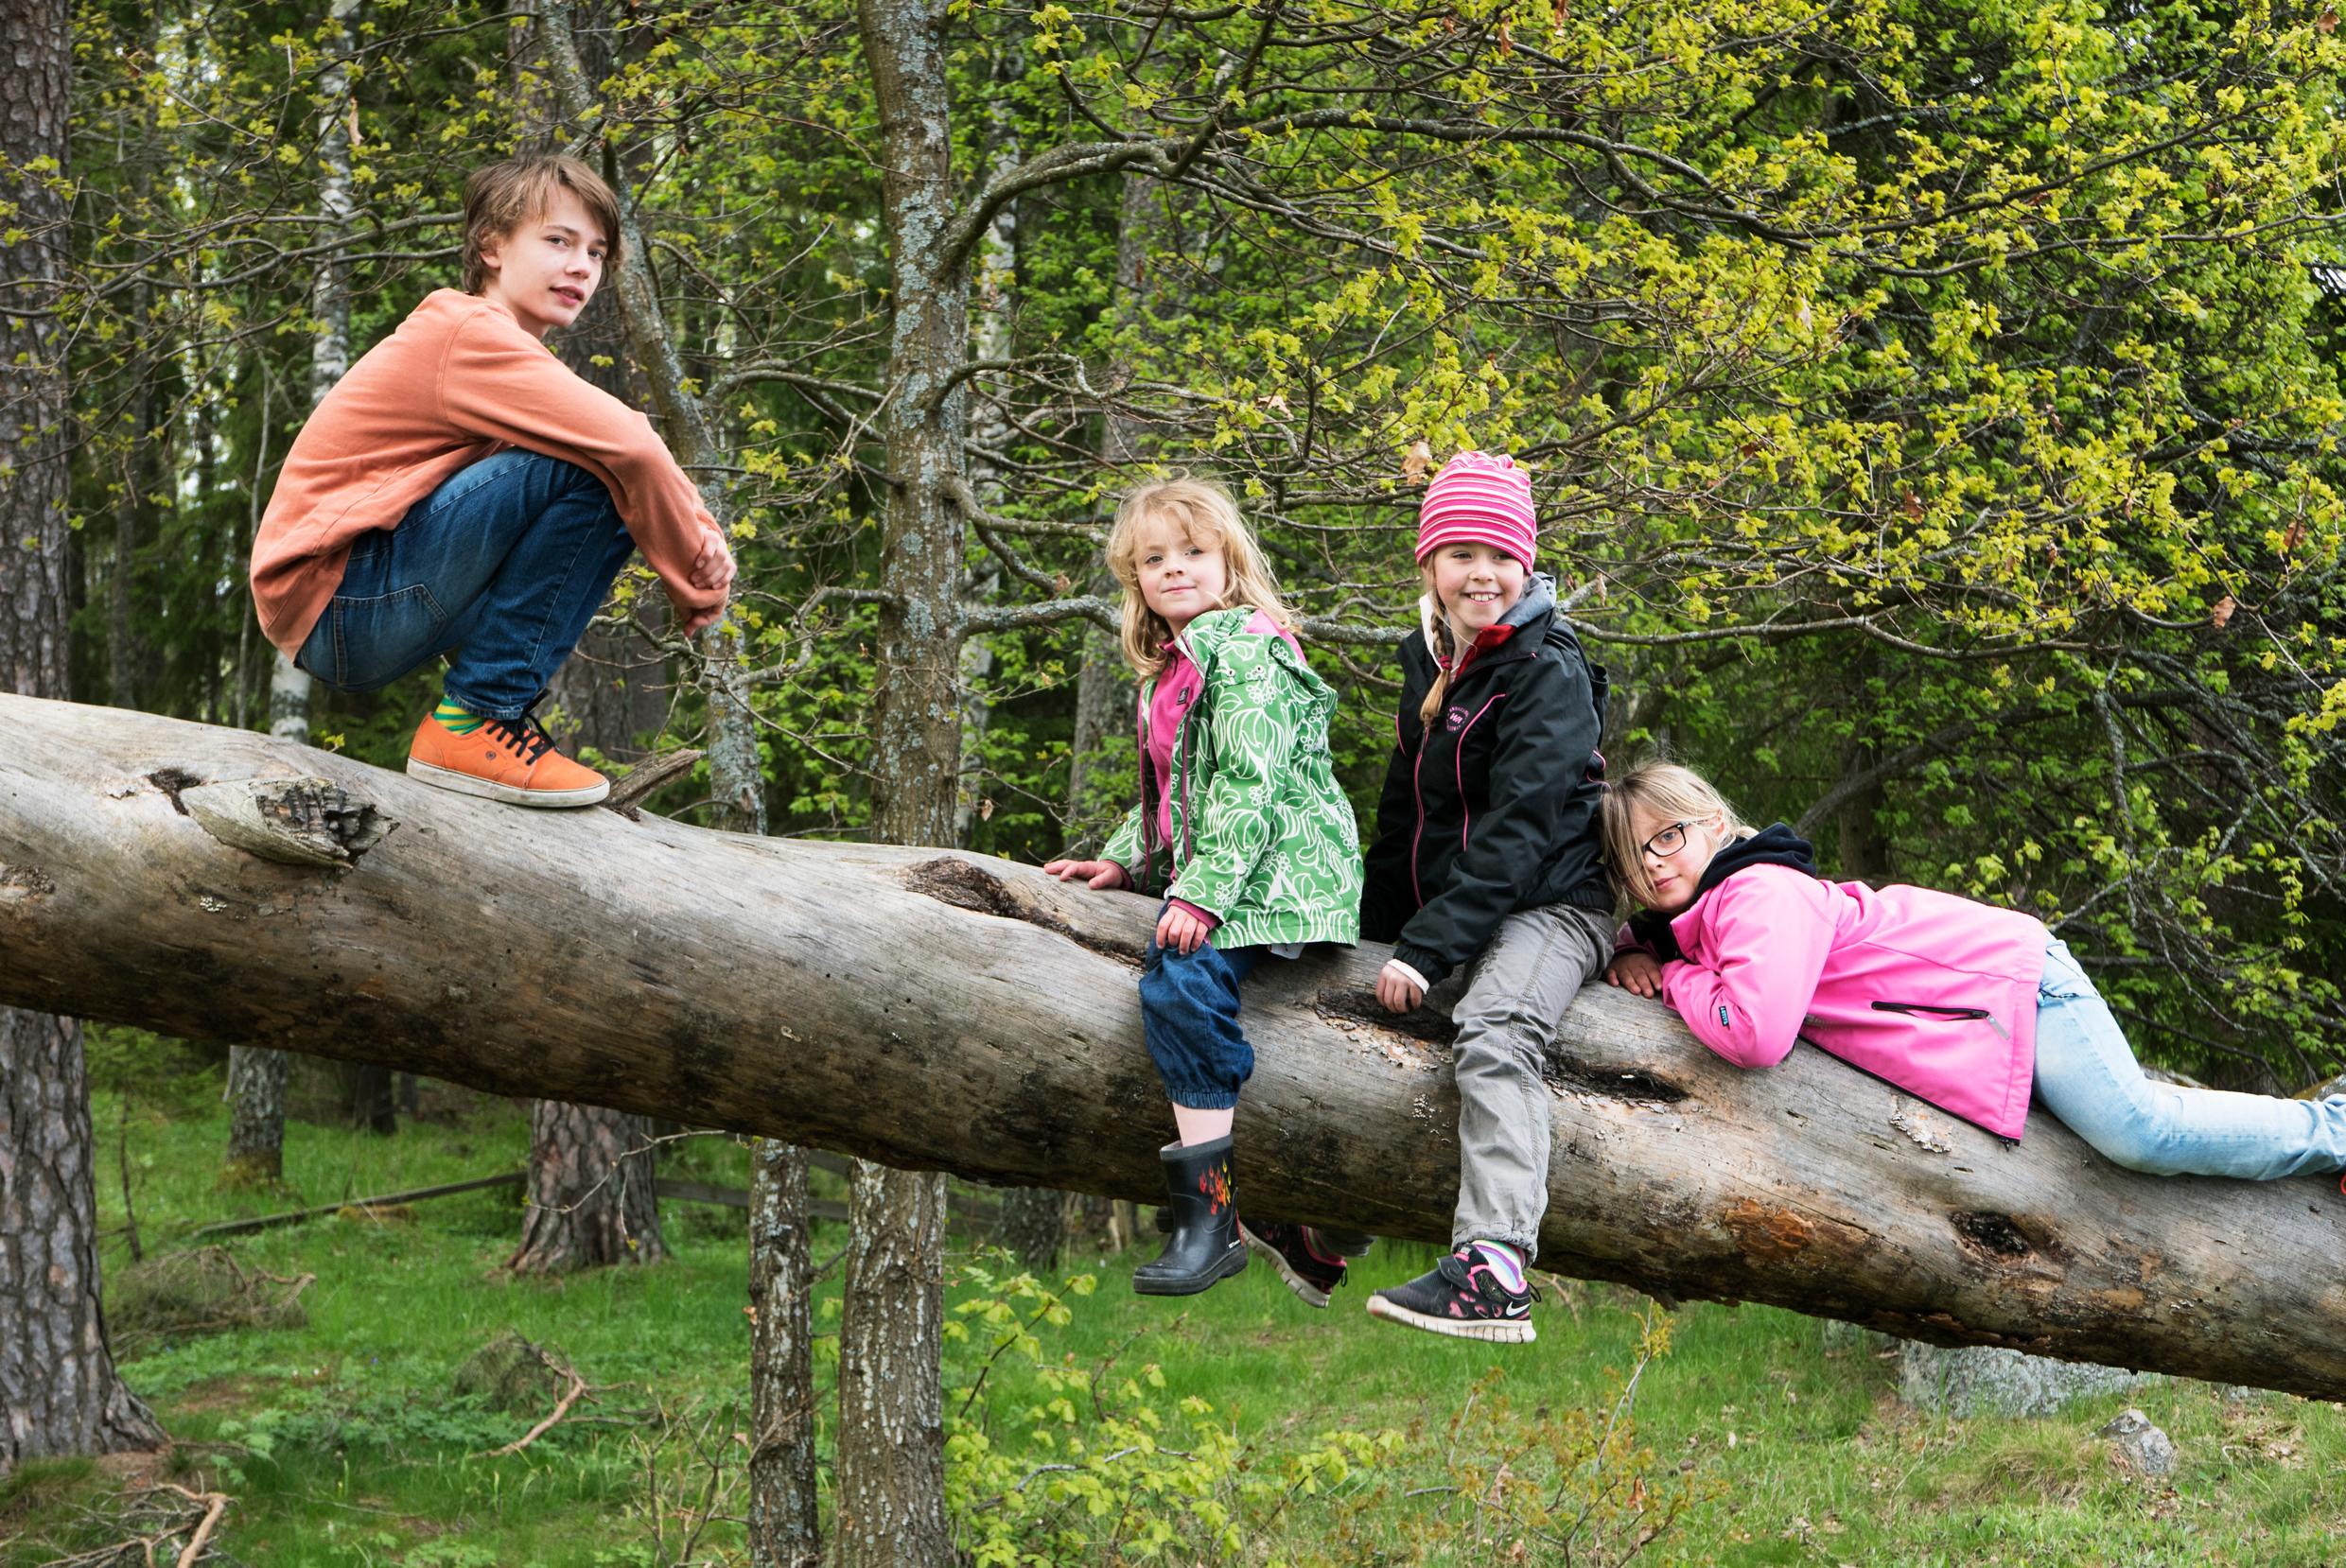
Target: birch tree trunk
point(784, 1528)
point(59, 1390)
point(891, 1454)
point(257, 1078)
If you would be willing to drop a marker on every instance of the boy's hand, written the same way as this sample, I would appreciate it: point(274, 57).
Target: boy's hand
point(1182, 931)
point(1100, 875)
point(1635, 971)
point(712, 569)
point(1396, 989)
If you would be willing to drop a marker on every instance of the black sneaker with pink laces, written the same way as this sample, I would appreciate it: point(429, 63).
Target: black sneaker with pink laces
point(1461, 1298)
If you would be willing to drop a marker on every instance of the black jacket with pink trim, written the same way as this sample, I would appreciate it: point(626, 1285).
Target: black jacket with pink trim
point(1493, 806)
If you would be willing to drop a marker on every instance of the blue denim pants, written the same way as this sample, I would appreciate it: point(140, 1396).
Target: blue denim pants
point(2086, 1076)
point(1189, 1014)
point(500, 567)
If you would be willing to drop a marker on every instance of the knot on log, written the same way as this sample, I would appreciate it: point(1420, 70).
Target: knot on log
point(2000, 1236)
point(19, 885)
point(292, 821)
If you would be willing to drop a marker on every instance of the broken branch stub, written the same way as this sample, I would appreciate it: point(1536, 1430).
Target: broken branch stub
point(292, 821)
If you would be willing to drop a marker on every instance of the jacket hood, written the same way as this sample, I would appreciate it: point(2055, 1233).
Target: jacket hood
point(1204, 638)
point(1775, 844)
point(1539, 599)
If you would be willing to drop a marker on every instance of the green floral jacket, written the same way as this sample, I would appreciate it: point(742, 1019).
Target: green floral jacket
point(1262, 836)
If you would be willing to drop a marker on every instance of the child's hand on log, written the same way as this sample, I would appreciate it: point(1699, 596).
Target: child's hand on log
point(1099, 875)
point(1180, 931)
point(1637, 972)
point(1398, 987)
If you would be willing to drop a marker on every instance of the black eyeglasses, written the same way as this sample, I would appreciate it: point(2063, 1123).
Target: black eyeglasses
point(1666, 843)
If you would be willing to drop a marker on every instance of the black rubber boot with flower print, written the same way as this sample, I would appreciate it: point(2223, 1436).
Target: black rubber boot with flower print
point(1204, 1245)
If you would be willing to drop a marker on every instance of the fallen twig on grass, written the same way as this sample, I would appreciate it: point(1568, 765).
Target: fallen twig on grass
point(562, 1407)
point(215, 1504)
point(165, 1521)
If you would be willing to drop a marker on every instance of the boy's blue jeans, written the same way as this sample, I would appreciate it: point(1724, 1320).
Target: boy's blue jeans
point(1189, 1014)
point(501, 569)
point(2086, 1076)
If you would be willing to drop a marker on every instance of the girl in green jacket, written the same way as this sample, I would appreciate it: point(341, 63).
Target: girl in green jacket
point(1243, 834)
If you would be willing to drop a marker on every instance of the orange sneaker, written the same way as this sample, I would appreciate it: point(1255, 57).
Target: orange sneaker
point(509, 759)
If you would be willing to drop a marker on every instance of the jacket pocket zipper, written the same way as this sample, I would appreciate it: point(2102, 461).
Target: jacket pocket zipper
point(1952, 1015)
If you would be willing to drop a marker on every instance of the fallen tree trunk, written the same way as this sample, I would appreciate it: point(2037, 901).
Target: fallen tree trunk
point(944, 1010)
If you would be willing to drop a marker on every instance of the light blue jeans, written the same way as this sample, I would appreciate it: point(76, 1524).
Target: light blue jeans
point(2086, 1076)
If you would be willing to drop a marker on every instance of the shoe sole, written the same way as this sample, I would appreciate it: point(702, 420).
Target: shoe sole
point(1233, 1262)
point(1309, 1294)
point(1497, 1331)
point(512, 795)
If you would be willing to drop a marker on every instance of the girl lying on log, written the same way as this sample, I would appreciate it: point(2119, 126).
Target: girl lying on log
point(1486, 862)
point(1242, 830)
point(1963, 1004)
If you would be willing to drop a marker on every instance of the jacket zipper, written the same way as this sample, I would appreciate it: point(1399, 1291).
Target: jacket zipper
point(1952, 1015)
point(1458, 757)
point(1148, 804)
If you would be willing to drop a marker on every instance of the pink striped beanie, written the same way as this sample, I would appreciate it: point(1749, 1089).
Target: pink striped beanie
point(1478, 499)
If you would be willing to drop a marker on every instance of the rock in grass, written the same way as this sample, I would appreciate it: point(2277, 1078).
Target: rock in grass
point(1988, 1381)
point(511, 1374)
point(2138, 1445)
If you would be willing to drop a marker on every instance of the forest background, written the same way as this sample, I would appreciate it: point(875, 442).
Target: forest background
point(1933, 408)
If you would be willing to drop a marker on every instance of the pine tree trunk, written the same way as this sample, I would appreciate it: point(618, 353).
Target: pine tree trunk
point(784, 1531)
point(59, 1390)
point(590, 1192)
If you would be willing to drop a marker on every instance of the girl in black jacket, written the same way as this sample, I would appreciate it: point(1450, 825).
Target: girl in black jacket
point(1487, 860)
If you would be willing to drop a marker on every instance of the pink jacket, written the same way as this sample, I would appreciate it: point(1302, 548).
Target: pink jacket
point(1934, 993)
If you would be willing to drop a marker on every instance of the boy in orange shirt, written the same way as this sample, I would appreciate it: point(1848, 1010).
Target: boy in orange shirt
point(460, 491)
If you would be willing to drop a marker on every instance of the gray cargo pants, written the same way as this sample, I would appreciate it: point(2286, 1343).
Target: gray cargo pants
point(1515, 995)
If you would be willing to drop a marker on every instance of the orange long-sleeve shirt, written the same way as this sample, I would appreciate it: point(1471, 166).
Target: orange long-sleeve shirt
point(459, 380)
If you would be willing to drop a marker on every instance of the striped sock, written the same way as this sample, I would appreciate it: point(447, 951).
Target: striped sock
point(1506, 1262)
point(455, 718)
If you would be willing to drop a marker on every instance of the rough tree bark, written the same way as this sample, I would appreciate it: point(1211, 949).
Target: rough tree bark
point(590, 1192)
point(256, 1084)
point(785, 1530)
point(59, 1390)
point(767, 985)
point(890, 1474)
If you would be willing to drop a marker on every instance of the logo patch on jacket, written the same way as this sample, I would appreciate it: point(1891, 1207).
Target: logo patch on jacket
point(1724, 1022)
point(1455, 719)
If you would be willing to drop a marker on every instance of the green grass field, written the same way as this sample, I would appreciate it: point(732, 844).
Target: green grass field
point(1238, 1426)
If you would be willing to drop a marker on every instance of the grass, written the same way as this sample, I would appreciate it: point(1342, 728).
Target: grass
point(342, 1443)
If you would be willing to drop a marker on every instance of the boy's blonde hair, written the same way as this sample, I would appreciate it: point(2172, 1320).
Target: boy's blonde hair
point(503, 197)
point(1669, 790)
point(1204, 510)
